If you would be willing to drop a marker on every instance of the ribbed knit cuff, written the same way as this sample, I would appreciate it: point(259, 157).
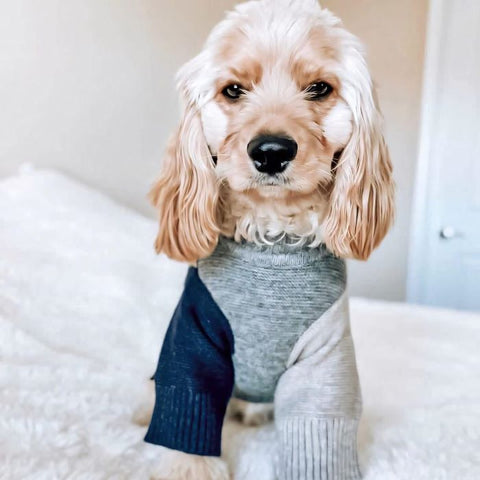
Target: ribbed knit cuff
point(318, 449)
point(186, 421)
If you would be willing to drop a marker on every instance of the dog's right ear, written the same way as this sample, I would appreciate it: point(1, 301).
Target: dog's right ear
point(361, 207)
point(186, 194)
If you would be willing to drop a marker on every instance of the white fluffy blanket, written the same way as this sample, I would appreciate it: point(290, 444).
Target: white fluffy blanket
point(83, 307)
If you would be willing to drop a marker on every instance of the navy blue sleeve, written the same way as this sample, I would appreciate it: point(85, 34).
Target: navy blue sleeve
point(194, 377)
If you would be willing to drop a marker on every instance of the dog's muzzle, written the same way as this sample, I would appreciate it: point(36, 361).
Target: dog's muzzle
point(271, 154)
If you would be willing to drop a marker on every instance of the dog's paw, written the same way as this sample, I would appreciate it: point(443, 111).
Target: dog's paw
point(143, 413)
point(174, 465)
point(250, 414)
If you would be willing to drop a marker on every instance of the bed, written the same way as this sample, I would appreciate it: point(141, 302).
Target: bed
point(84, 303)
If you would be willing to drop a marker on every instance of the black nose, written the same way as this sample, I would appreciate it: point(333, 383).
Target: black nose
point(271, 154)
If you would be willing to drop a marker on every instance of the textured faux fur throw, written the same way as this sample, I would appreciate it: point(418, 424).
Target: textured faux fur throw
point(84, 304)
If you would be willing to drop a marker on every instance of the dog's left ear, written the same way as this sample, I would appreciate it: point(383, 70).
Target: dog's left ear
point(186, 194)
point(361, 208)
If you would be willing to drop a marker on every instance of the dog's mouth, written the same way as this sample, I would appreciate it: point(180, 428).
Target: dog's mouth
point(277, 180)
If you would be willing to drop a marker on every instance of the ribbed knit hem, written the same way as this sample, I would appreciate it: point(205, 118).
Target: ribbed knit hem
point(278, 255)
point(318, 449)
point(186, 421)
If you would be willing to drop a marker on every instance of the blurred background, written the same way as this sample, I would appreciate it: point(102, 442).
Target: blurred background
point(87, 87)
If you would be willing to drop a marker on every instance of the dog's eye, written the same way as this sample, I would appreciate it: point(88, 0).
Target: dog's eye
point(233, 91)
point(318, 90)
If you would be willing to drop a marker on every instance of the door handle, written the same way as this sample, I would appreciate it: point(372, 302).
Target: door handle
point(448, 233)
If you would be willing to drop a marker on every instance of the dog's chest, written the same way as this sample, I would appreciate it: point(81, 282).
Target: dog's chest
point(270, 295)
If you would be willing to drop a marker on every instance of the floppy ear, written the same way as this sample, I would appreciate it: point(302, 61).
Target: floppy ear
point(361, 206)
point(186, 194)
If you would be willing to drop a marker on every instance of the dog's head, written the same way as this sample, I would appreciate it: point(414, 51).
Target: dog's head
point(279, 103)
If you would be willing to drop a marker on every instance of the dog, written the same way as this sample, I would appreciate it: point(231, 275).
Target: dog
point(277, 173)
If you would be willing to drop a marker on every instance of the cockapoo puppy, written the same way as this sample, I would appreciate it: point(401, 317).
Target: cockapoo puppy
point(277, 173)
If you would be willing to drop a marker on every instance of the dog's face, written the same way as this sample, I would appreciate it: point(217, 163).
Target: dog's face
point(274, 117)
point(279, 107)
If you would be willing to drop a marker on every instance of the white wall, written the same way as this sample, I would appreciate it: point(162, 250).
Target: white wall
point(86, 86)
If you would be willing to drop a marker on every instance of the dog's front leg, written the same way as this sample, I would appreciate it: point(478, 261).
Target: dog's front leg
point(175, 465)
point(193, 384)
point(318, 403)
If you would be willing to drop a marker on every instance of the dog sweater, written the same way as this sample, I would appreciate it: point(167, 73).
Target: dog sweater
point(263, 323)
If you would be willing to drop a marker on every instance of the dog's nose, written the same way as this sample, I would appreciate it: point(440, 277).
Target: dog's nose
point(271, 154)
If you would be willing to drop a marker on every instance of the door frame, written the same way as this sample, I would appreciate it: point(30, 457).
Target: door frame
point(421, 225)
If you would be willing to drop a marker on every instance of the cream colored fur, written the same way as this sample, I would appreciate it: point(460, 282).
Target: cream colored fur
point(175, 465)
point(338, 190)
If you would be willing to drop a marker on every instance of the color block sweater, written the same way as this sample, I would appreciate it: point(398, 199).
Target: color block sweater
point(264, 324)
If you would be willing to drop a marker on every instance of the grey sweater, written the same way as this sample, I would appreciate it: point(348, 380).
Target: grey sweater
point(285, 314)
point(288, 311)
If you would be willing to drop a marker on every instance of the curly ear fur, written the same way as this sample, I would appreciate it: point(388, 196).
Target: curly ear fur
point(186, 194)
point(361, 207)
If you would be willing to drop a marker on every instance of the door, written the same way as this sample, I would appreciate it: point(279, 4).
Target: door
point(444, 265)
